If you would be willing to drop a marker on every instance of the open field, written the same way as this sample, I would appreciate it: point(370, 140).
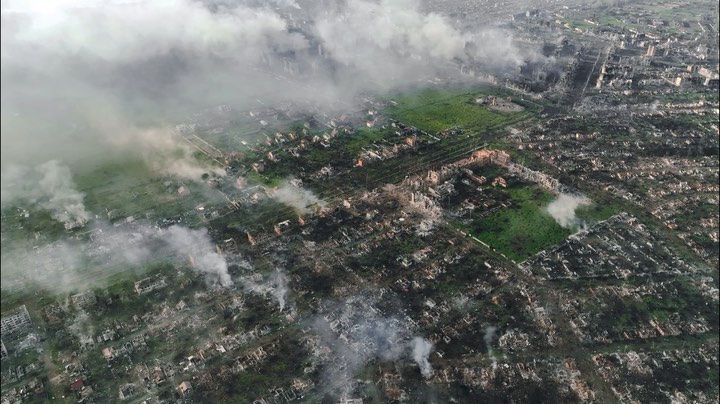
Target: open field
point(523, 228)
point(433, 110)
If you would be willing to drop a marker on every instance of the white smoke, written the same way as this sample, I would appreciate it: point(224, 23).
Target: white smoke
point(58, 266)
point(81, 325)
point(395, 29)
point(421, 353)
point(162, 150)
point(63, 266)
point(488, 337)
point(141, 244)
point(147, 63)
point(299, 198)
point(355, 332)
point(48, 186)
point(280, 288)
point(276, 286)
point(197, 244)
point(99, 31)
point(562, 209)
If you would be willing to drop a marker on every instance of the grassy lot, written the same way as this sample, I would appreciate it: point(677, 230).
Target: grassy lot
point(598, 211)
point(433, 110)
point(130, 187)
point(524, 228)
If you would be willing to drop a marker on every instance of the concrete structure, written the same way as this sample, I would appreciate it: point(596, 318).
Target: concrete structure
point(4, 350)
point(83, 300)
point(15, 320)
point(185, 388)
point(149, 284)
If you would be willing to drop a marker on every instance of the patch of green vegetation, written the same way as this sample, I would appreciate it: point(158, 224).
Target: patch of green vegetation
point(579, 24)
point(434, 110)
point(607, 20)
point(258, 216)
point(362, 138)
point(523, 228)
point(596, 212)
point(268, 178)
point(122, 188)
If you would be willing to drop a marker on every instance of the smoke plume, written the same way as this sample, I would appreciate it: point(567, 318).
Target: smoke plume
point(421, 353)
point(100, 72)
point(280, 288)
point(562, 209)
point(66, 265)
point(488, 337)
point(353, 332)
point(299, 198)
point(48, 186)
point(276, 286)
point(180, 240)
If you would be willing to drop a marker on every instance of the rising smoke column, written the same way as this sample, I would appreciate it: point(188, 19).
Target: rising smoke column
point(279, 288)
point(196, 243)
point(488, 338)
point(138, 244)
point(421, 349)
point(276, 286)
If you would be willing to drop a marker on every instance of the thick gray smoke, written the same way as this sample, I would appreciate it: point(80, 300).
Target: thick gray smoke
point(180, 240)
point(562, 209)
point(48, 186)
point(140, 244)
point(421, 353)
point(101, 71)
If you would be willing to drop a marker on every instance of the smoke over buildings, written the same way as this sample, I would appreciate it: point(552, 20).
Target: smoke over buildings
point(66, 265)
point(102, 72)
point(276, 285)
point(197, 244)
point(562, 209)
point(280, 288)
point(48, 186)
point(353, 332)
point(297, 197)
point(140, 244)
point(488, 338)
point(421, 353)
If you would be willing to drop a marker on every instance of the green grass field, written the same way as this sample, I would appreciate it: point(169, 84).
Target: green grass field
point(433, 110)
point(522, 229)
point(131, 188)
point(525, 228)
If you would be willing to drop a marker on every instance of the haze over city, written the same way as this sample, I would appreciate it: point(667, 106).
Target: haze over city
point(363, 201)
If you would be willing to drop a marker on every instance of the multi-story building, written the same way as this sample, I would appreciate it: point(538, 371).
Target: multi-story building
point(14, 320)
